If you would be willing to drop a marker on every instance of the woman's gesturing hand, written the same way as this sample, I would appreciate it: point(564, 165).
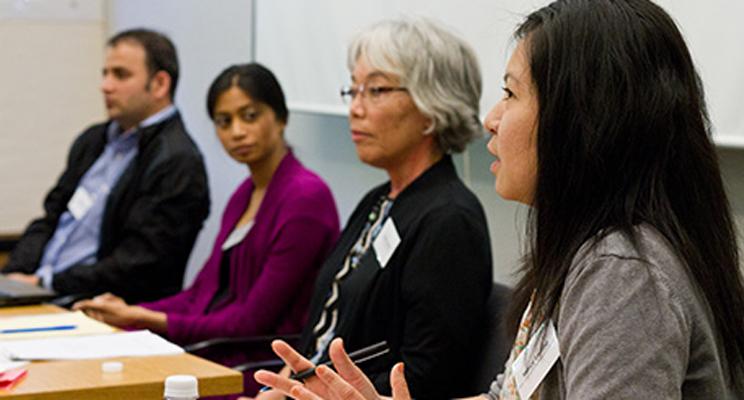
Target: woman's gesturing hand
point(349, 383)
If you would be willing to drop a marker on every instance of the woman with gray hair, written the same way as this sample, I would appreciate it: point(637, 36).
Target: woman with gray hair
point(413, 265)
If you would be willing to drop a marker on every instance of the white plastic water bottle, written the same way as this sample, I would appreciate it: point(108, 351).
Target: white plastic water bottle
point(181, 387)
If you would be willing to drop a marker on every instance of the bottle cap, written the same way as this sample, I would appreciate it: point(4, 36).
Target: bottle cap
point(181, 386)
point(112, 366)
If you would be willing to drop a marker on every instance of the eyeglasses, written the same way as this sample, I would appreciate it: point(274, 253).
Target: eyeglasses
point(372, 94)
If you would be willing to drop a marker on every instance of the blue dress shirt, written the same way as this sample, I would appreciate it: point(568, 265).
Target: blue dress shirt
point(77, 237)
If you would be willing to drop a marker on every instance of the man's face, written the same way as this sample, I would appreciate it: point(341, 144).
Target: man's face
point(126, 84)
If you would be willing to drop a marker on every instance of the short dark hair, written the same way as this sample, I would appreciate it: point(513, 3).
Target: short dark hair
point(623, 138)
point(257, 81)
point(160, 53)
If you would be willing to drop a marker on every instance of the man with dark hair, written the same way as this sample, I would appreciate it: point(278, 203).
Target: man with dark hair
point(124, 215)
point(160, 53)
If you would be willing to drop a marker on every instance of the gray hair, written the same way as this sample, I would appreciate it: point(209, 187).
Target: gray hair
point(439, 69)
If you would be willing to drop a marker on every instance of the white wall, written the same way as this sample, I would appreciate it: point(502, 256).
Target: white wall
point(49, 75)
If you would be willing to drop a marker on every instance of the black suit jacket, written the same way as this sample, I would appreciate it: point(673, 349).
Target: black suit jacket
point(429, 301)
point(150, 223)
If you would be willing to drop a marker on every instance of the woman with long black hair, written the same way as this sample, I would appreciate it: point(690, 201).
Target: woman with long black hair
point(631, 287)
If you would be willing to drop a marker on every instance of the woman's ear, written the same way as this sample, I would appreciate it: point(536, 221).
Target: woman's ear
point(430, 127)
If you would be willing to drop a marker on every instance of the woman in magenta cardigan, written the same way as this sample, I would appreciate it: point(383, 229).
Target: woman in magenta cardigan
point(276, 230)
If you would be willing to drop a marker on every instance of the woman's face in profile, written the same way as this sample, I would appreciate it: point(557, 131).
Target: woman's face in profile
point(512, 123)
point(386, 127)
point(249, 130)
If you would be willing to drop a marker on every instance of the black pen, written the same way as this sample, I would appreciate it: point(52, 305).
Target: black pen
point(362, 355)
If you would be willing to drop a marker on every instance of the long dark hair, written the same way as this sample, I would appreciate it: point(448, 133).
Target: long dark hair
point(623, 139)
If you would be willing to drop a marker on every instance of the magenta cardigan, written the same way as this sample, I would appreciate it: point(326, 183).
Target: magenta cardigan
point(272, 271)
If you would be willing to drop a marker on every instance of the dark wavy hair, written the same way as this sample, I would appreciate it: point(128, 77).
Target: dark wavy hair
point(624, 138)
point(257, 81)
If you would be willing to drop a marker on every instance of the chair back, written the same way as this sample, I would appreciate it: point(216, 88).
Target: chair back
point(497, 344)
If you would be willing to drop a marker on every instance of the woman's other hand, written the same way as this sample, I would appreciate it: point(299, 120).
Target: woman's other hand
point(113, 310)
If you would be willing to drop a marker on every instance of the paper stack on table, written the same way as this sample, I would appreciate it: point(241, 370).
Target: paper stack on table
point(124, 344)
point(50, 325)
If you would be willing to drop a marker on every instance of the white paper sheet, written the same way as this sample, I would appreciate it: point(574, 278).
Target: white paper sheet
point(8, 365)
point(125, 344)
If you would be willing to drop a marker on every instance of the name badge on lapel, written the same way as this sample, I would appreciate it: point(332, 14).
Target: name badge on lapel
point(80, 203)
point(536, 360)
point(386, 242)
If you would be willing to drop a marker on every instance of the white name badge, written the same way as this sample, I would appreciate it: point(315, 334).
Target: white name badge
point(80, 203)
point(536, 360)
point(386, 242)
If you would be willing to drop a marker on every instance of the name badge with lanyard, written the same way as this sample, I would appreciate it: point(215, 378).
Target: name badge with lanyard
point(536, 360)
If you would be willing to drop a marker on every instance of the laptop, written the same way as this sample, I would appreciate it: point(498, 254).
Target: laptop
point(14, 293)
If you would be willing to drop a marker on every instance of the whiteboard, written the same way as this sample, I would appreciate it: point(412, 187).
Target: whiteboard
point(304, 43)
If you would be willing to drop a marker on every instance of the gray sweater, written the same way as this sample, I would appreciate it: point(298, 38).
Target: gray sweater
point(632, 325)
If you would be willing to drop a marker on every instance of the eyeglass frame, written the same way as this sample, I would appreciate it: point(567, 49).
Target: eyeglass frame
point(374, 93)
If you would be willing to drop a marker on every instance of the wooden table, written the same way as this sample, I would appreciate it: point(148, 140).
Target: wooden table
point(141, 378)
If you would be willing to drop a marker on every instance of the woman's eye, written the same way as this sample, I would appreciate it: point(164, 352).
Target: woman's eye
point(375, 91)
point(508, 94)
point(249, 115)
point(222, 122)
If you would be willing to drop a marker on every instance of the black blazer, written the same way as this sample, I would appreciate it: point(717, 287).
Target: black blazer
point(429, 300)
point(150, 223)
